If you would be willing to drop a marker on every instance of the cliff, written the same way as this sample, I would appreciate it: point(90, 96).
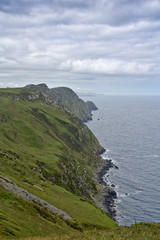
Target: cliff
point(68, 98)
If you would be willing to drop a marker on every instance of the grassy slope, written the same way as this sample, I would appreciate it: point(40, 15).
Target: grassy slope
point(43, 147)
point(142, 231)
point(22, 218)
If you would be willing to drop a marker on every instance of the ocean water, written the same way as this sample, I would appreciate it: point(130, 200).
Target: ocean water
point(129, 129)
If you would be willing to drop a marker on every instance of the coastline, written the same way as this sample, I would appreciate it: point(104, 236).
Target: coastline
point(106, 198)
point(107, 195)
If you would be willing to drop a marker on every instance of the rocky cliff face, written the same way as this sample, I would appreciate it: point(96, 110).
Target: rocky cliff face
point(68, 98)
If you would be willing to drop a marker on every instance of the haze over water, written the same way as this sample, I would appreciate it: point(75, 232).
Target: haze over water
point(129, 129)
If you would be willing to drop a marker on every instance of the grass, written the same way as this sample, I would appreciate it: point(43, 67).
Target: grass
point(141, 231)
point(21, 218)
point(46, 151)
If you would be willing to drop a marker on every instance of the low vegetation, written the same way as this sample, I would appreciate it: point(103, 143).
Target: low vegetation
point(49, 152)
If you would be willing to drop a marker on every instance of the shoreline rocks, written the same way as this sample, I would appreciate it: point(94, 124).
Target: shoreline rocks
point(107, 196)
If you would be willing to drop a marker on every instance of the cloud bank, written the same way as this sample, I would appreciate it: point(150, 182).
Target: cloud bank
point(68, 41)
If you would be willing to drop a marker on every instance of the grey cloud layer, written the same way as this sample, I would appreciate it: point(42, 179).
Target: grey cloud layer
point(115, 12)
point(68, 38)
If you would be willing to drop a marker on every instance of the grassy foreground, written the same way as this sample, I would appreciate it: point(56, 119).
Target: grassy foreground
point(141, 231)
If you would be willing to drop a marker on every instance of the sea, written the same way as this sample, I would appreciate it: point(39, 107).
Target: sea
point(128, 127)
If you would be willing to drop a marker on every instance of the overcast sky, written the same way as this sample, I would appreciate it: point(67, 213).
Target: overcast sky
point(103, 46)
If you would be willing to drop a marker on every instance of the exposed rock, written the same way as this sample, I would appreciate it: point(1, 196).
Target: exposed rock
point(101, 151)
point(116, 167)
point(12, 187)
point(112, 193)
point(106, 199)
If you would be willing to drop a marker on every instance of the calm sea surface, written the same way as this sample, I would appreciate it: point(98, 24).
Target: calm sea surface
point(129, 129)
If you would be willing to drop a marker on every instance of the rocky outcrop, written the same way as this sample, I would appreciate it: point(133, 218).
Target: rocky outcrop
point(90, 106)
point(24, 94)
point(12, 187)
point(40, 87)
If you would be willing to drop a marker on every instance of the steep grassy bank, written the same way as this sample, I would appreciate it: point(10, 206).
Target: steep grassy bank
point(50, 153)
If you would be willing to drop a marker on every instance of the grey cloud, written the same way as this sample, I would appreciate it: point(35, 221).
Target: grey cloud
point(26, 6)
point(122, 12)
point(37, 39)
point(116, 12)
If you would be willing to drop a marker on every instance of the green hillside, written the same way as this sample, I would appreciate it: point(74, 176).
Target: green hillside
point(51, 154)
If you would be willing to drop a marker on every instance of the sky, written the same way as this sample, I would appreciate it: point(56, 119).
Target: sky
point(102, 46)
